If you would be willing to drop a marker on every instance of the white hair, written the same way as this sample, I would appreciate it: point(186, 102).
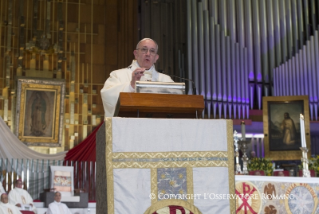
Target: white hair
point(145, 40)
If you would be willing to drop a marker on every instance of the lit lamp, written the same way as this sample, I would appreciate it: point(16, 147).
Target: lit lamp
point(303, 148)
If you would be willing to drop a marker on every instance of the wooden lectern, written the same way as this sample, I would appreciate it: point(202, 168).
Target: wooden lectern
point(159, 105)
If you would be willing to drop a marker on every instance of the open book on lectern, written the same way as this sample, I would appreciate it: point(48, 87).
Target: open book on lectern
point(160, 87)
point(159, 100)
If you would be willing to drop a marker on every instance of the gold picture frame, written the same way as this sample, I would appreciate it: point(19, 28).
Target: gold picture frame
point(39, 112)
point(281, 117)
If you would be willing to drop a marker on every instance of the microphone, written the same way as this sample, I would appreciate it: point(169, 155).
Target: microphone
point(182, 78)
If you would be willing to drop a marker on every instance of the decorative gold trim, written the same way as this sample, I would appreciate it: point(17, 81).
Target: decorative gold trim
point(190, 185)
point(154, 190)
point(285, 155)
point(109, 166)
point(152, 165)
point(168, 154)
point(231, 167)
point(166, 203)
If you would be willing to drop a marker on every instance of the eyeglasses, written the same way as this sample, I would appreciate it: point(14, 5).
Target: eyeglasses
point(145, 50)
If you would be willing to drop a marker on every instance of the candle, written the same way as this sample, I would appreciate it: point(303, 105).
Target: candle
point(243, 130)
point(302, 131)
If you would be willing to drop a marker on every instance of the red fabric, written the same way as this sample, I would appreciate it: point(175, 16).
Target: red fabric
point(312, 173)
point(284, 173)
point(26, 212)
point(262, 173)
point(173, 209)
point(84, 151)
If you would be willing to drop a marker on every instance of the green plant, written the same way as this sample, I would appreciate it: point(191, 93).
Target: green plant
point(313, 164)
point(261, 164)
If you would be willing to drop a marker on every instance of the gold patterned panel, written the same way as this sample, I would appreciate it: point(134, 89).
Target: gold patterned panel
point(151, 165)
point(154, 190)
point(109, 166)
point(190, 186)
point(231, 174)
point(169, 154)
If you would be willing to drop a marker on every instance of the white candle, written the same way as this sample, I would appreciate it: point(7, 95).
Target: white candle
point(243, 130)
point(302, 131)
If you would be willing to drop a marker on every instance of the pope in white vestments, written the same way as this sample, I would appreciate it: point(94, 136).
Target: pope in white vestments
point(123, 80)
point(21, 198)
point(6, 208)
point(56, 207)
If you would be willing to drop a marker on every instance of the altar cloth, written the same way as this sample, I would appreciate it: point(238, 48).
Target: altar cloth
point(156, 163)
point(274, 194)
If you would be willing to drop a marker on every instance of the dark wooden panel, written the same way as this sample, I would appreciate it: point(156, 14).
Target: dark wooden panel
point(166, 104)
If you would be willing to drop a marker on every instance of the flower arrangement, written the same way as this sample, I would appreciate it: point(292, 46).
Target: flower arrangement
point(261, 164)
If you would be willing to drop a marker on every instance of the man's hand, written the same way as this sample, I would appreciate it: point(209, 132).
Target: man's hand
point(136, 75)
point(18, 205)
point(31, 205)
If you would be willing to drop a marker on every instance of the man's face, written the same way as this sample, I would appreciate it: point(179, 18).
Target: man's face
point(146, 60)
point(57, 197)
point(286, 115)
point(19, 184)
point(4, 198)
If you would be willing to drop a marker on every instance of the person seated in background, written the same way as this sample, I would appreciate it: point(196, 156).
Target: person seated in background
point(21, 198)
point(6, 208)
point(56, 207)
point(257, 173)
point(252, 154)
point(141, 69)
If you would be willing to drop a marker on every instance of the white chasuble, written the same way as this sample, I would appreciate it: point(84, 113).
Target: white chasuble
point(8, 209)
point(120, 81)
point(21, 196)
point(58, 208)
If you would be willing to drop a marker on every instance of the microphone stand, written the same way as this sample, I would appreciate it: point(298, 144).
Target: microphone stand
point(181, 78)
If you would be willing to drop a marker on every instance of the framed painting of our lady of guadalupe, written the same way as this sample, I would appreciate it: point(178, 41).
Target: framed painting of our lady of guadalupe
point(39, 113)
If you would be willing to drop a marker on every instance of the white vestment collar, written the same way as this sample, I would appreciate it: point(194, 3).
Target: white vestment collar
point(150, 74)
point(19, 190)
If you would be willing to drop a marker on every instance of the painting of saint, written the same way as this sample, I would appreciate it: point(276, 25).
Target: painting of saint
point(284, 125)
point(288, 129)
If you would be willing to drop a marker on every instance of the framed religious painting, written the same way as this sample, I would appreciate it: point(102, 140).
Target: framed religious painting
point(282, 132)
point(39, 112)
